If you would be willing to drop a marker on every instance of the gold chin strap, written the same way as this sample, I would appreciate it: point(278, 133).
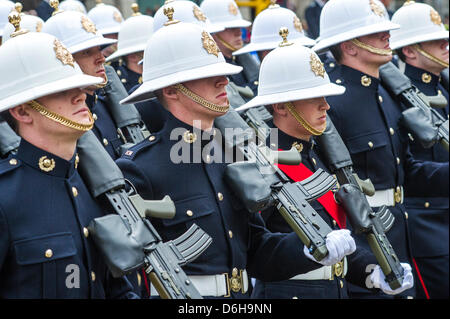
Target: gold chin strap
point(431, 57)
point(302, 121)
point(226, 44)
point(371, 49)
point(61, 119)
point(103, 84)
point(198, 99)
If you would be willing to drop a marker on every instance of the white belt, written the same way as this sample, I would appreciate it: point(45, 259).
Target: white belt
point(388, 197)
point(217, 285)
point(325, 273)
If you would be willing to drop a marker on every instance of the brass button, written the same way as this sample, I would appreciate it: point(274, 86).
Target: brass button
point(13, 161)
point(398, 161)
point(256, 83)
point(426, 78)
point(427, 204)
point(295, 297)
point(105, 141)
point(119, 73)
point(366, 81)
point(338, 81)
point(152, 138)
point(380, 98)
point(230, 233)
point(406, 215)
point(391, 130)
point(341, 283)
point(331, 65)
point(74, 191)
point(314, 161)
point(220, 196)
point(208, 158)
point(370, 144)
point(124, 80)
point(48, 253)
point(439, 92)
point(95, 117)
point(334, 223)
point(93, 275)
point(85, 232)
point(190, 213)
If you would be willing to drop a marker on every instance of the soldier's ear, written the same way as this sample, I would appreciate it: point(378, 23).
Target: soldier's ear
point(348, 48)
point(21, 113)
point(279, 109)
point(409, 52)
point(170, 93)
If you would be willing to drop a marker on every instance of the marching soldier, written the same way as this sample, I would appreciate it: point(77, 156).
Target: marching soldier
point(297, 102)
point(45, 249)
point(107, 19)
point(422, 45)
point(133, 36)
point(266, 27)
point(367, 117)
point(187, 71)
point(226, 14)
point(80, 36)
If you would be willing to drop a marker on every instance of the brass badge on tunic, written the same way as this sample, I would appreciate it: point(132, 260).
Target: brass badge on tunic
point(189, 137)
point(209, 44)
point(378, 10)
point(199, 14)
point(117, 16)
point(298, 146)
point(46, 164)
point(366, 81)
point(426, 78)
point(232, 9)
point(88, 25)
point(317, 66)
point(63, 54)
point(298, 24)
point(435, 17)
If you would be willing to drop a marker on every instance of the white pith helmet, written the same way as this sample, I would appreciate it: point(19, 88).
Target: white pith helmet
point(72, 5)
point(224, 14)
point(178, 53)
point(185, 11)
point(418, 22)
point(28, 22)
point(133, 36)
point(6, 7)
point(75, 30)
point(37, 65)
point(343, 20)
point(107, 18)
point(292, 72)
point(267, 25)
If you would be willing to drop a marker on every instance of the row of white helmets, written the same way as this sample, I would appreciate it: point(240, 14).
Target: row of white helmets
point(185, 51)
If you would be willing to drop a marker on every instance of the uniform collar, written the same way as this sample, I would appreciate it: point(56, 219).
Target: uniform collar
point(421, 75)
point(286, 142)
point(91, 100)
point(359, 78)
point(46, 162)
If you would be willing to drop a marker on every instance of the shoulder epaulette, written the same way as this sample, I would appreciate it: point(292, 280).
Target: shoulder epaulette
point(9, 164)
point(133, 151)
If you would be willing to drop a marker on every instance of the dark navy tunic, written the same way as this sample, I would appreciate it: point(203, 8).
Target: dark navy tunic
point(195, 183)
point(45, 249)
point(428, 216)
point(311, 289)
point(367, 118)
point(104, 126)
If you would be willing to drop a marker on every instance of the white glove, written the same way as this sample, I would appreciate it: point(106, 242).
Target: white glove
point(339, 244)
point(379, 280)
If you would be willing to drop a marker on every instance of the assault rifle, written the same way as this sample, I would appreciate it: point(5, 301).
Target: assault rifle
point(127, 240)
point(351, 196)
point(261, 184)
point(9, 140)
point(425, 123)
point(127, 118)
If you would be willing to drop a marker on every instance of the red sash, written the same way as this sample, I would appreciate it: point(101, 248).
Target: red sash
point(300, 172)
